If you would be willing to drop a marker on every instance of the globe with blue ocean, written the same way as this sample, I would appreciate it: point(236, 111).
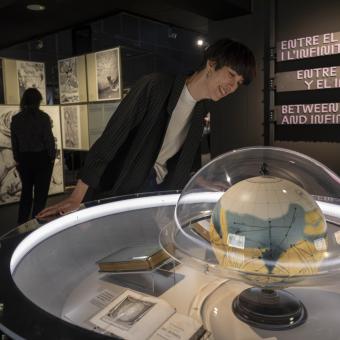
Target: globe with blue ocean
point(269, 229)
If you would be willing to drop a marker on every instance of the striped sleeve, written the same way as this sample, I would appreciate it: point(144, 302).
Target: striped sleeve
point(127, 116)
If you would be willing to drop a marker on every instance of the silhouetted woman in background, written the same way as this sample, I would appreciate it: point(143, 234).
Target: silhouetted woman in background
point(34, 152)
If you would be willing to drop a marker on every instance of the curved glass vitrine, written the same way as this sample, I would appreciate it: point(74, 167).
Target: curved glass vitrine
point(268, 217)
point(51, 287)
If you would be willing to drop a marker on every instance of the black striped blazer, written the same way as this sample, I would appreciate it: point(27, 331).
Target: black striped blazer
point(122, 158)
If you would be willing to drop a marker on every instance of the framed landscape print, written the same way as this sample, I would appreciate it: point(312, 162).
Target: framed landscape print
point(20, 75)
point(72, 80)
point(104, 75)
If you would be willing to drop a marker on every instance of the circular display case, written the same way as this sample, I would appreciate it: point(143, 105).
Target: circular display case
point(50, 286)
point(258, 215)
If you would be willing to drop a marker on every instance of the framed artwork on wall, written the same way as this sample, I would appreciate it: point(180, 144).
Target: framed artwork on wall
point(54, 112)
point(10, 184)
point(20, 75)
point(99, 115)
point(74, 122)
point(72, 80)
point(104, 75)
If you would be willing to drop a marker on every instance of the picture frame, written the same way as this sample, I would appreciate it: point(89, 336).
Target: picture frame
point(74, 122)
point(72, 80)
point(104, 76)
point(18, 75)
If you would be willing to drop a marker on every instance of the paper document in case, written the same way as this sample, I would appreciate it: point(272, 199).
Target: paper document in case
point(133, 315)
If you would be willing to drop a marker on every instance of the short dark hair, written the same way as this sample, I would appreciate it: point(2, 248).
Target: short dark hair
point(31, 99)
point(228, 52)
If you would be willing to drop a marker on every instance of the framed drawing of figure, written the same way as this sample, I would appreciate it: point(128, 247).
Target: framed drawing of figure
point(104, 75)
point(72, 80)
point(74, 123)
point(19, 75)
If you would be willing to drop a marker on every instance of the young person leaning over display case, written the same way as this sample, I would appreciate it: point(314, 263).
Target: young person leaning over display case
point(151, 141)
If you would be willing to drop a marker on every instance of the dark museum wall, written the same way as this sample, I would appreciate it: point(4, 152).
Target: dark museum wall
point(147, 46)
point(237, 120)
point(299, 19)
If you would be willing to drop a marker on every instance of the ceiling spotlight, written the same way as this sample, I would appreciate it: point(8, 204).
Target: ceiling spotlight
point(36, 7)
point(200, 42)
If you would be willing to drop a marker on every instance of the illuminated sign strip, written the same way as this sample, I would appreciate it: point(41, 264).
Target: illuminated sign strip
point(322, 78)
point(324, 113)
point(81, 216)
point(308, 47)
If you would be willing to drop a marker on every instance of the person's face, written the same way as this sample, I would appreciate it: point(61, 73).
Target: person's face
point(221, 82)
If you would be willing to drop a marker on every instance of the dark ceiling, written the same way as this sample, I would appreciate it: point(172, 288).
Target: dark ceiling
point(17, 24)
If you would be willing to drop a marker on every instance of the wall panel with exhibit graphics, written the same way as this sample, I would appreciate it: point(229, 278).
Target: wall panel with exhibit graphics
point(19, 75)
point(10, 184)
point(104, 77)
point(72, 80)
point(307, 79)
point(98, 116)
point(83, 124)
point(94, 81)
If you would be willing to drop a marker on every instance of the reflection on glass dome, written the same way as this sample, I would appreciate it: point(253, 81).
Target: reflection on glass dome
point(252, 215)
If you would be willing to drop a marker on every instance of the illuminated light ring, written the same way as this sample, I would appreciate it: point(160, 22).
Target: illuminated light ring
point(81, 216)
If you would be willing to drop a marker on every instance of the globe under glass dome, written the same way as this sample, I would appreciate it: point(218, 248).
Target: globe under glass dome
point(263, 215)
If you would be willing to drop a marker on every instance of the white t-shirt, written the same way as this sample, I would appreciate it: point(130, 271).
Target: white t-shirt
point(176, 132)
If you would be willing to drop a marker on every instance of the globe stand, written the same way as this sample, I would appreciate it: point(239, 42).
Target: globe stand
point(269, 309)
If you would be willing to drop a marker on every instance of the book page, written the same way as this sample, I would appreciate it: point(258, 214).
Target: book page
point(179, 327)
point(83, 312)
point(133, 315)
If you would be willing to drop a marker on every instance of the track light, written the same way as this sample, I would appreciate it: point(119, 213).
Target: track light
point(36, 7)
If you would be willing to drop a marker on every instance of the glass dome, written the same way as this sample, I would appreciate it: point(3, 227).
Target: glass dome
point(268, 217)
point(254, 215)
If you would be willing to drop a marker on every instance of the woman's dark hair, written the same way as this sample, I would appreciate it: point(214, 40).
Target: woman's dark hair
point(31, 99)
point(227, 52)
